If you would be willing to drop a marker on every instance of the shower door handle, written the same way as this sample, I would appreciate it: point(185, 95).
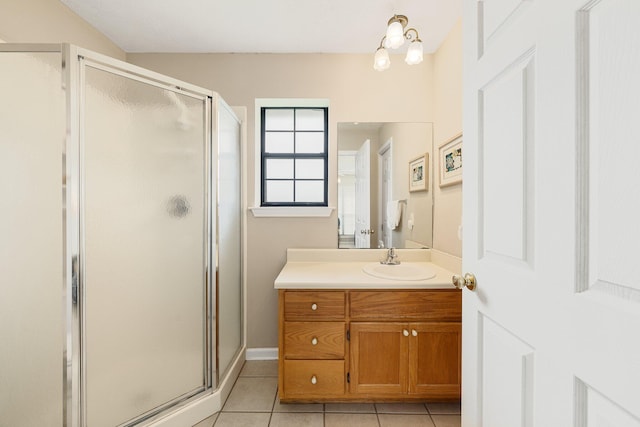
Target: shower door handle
point(74, 279)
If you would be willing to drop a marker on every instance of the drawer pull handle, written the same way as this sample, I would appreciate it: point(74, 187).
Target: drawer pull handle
point(314, 306)
point(405, 332)
point(314, 380)
point(314, 341)
point(414, 332)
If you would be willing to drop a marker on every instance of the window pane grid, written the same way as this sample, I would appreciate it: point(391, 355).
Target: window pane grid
point(313, 189)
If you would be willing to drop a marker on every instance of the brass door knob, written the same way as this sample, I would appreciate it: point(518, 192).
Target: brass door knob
point(469, 280)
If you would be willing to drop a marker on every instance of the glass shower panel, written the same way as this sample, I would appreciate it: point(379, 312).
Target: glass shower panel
point(144, 217)
point(32, 324)
point(229, 239)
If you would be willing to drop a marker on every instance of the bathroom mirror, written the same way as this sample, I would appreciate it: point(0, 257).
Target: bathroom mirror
point(385, 185)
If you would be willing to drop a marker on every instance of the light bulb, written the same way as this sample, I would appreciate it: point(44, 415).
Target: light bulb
point(395, 35)
point(414, 53)
point(381, 60)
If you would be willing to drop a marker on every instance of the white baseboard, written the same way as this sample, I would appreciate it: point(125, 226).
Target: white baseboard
point(266, 353)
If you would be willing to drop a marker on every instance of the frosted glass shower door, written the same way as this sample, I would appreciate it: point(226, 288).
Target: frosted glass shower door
point(229, 239)
point(32, 322)
point(144, 217)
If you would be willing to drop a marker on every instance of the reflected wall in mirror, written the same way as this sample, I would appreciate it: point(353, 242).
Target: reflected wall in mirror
point(375, 207)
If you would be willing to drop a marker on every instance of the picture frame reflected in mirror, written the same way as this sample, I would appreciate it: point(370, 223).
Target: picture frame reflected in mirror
point(419, 173)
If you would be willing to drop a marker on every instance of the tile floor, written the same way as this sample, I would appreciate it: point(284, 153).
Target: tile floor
point(253, 402)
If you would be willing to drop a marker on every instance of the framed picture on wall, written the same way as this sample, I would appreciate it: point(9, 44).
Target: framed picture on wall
point(450, 159)
point(419, 173)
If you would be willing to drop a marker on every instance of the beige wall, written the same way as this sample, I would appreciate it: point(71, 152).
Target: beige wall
point(448, 123)
point(356, 93)
point(50, 21)
point(429, 92)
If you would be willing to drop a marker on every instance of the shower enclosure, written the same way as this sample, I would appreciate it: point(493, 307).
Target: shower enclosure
point(121, 293)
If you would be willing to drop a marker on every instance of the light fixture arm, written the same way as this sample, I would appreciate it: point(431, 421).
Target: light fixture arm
point(382, 42)
point(403, 20)
point(409, 36)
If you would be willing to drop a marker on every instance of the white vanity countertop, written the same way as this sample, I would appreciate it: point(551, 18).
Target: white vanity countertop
point(342, 269)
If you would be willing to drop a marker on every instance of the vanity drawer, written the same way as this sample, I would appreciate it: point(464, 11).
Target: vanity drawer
point(437, 305)
point(314, 340)
point(322, 305)
point(313, 378)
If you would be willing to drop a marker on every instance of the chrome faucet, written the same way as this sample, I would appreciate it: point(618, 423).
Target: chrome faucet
point(392, 258)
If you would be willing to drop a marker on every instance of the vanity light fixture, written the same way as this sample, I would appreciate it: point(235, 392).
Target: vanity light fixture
point(393, 39)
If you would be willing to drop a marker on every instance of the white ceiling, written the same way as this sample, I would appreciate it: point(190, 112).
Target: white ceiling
point(265, 26)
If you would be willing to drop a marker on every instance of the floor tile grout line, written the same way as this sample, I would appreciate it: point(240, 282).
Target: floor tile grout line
point(273, 406)
point(324, 409)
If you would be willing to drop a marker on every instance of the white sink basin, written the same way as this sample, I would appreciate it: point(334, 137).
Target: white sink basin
point(404, 271)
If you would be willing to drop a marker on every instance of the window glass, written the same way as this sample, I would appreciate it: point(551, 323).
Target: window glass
point(278, 142)
point(279, 169)
point(278, 119)
point(310, 142)
point(279, 191)
point(308, 119)
point(309, 191)
point(309, 169)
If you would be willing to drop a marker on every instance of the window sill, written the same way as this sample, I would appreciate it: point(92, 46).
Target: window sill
point(291, 211)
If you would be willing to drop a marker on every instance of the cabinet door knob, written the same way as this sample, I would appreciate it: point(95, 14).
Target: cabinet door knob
point(414, 332)
point(314, 341)
point(405, 333)
point(314, 380)
point(314, 306)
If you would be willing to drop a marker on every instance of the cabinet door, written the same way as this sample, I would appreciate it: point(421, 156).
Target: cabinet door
point(435, 359)
point(379, 358)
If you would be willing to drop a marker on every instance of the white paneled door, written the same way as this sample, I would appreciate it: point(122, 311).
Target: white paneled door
point(551, 334)
point(386, 191)
point(363, 186)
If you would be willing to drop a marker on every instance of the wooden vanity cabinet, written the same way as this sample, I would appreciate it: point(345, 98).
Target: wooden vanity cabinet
point(406, 344)
point(312, 345)
point(383, 345)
